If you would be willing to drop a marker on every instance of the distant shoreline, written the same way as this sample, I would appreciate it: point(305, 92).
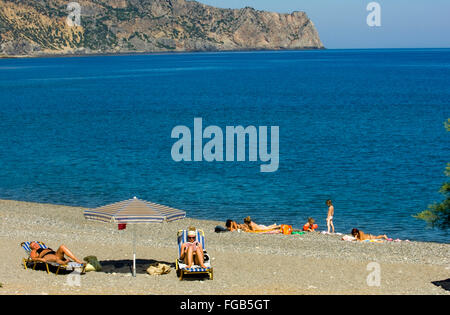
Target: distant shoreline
point(151, 53)
point(143, 53)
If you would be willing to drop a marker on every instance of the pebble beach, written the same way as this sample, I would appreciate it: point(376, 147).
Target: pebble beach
point(244, 263)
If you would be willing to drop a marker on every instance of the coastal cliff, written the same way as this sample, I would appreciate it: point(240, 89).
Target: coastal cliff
point(40, 27)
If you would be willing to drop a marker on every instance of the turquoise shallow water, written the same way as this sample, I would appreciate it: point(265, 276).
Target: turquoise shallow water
point(362, 127)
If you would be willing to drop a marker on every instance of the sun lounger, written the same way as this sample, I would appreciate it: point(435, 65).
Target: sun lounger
point(28, 260)
point(181, 267)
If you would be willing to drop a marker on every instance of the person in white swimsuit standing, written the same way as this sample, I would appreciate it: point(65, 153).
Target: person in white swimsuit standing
point(330, 215)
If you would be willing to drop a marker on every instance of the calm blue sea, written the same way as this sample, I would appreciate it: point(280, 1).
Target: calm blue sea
point(361, 127)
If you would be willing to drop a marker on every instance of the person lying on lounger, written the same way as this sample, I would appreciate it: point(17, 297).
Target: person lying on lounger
point(361, 236)
point(252, 226)
point(192, 251)
point(49, 255)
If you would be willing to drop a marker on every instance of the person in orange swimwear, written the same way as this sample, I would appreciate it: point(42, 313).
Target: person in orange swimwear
point(310, 226)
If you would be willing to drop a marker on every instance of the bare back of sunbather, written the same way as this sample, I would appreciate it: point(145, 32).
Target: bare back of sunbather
point(363, 236)
point(252, 226)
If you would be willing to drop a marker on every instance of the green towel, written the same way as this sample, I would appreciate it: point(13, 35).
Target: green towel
point(299, 233)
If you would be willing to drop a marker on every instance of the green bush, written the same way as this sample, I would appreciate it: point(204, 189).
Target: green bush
point(438, 214)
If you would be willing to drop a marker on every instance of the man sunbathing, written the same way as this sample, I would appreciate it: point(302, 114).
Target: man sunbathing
point(252, 226)
point(361, 236)
point(192, 251)
point(49, 255)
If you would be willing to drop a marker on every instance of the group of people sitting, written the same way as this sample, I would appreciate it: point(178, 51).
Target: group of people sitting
point(250, 226)
point(309, 226)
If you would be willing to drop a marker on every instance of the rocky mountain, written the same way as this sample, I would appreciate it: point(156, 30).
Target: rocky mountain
point(41, 27)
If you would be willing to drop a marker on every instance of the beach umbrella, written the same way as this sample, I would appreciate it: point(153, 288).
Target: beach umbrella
point(134, 211)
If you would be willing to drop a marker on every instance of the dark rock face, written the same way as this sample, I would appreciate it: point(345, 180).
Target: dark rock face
point(34, 27)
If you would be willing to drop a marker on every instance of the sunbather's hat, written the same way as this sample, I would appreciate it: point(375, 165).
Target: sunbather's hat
point(192, 234)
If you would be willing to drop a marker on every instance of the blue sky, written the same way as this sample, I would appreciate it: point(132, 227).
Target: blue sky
point(342, 23)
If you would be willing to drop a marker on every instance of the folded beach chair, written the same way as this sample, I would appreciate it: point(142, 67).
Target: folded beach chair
point(181, 267)
point(28, 260)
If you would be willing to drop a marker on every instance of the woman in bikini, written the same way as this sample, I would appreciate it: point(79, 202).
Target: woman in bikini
point(361, 236)
point(49, 255)
point(192, 251)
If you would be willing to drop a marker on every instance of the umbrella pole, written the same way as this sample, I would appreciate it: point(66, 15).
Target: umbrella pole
point(134, 250)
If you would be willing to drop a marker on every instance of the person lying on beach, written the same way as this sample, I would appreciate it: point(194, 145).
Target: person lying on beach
point(252, 226)
point(192, 251)
point(233, 226)
point(361, 236)
point(49, 255)
point(310, 226)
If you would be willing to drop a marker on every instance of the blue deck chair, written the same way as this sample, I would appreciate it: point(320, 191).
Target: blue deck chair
point(28, 260)
point(181, 267)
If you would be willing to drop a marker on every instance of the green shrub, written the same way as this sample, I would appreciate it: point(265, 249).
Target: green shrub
point(438, 214)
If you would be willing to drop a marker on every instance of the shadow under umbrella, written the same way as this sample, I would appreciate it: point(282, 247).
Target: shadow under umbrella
point(125, 266)
point(444, 284)
point(133, 211)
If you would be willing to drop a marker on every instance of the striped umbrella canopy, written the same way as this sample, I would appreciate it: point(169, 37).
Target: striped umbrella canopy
point(134, 211)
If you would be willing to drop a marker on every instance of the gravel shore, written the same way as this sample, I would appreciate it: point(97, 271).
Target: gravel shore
point(244, 263)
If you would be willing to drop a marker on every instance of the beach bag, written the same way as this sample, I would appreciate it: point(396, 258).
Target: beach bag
point(158, 269)
point(220, 229)
point(89, 268)
point(286, 229)
point(93, 261)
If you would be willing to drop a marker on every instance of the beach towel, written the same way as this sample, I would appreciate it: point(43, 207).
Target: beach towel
point(277, 231)
point(397, 240)
point(328, 233)
point(348, 238)
point(373, 241)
